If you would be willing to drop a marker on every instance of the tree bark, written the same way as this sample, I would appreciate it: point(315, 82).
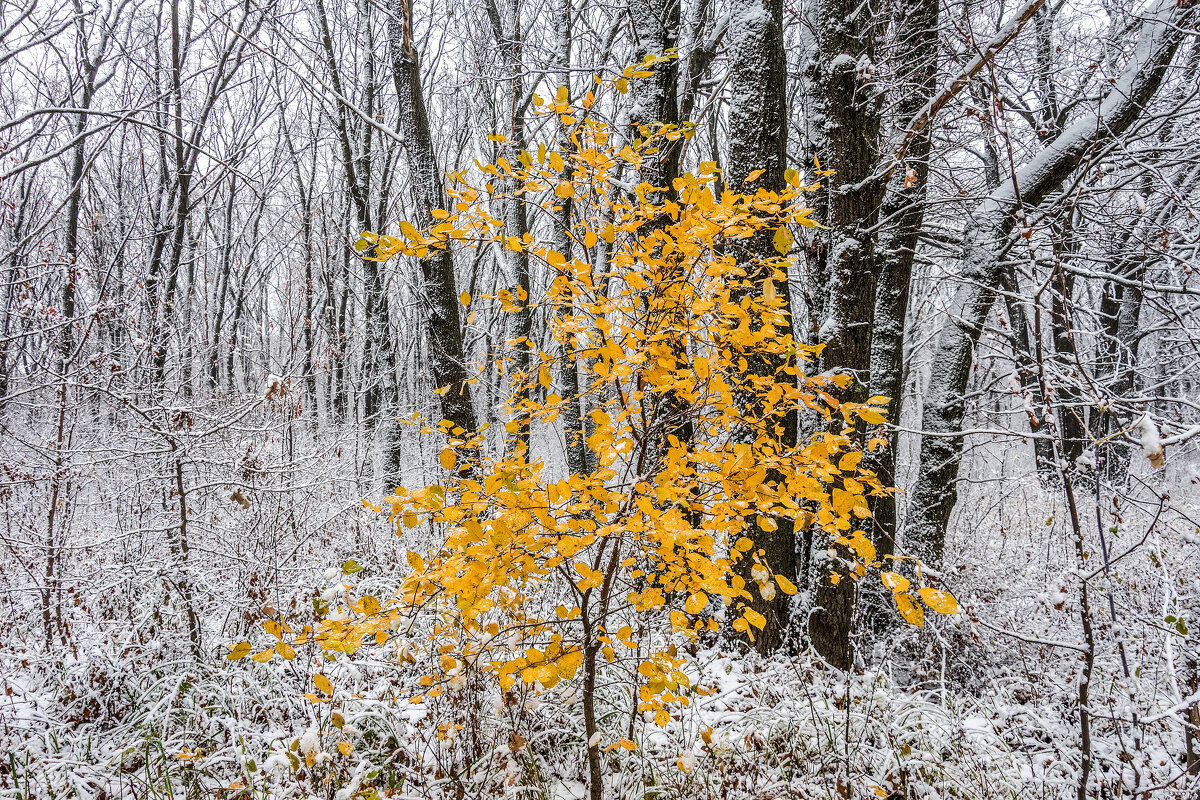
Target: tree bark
point(655, 25)
point(847, 106)
point(506, 30)
point(902, 215)
point(442, 329)
point(757, 116)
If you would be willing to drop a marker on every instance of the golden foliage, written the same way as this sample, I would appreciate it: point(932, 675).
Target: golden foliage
point(685, 323)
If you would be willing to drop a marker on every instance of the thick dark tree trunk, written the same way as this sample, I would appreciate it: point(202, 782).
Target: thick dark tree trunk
point(655, 25)
point(847, 104)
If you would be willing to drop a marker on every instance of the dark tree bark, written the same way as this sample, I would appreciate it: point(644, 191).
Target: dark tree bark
point(847, 107)
point(902, 215)
point(757, 115)
point(506, 30)
point(578, 454)
point(442, 329)
point(655, 25)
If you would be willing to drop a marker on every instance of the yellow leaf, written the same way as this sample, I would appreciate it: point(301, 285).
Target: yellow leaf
point(448, 459)
point(862, 546)
point(408, 230)
point(696, 603)
point(563, 190)
point(285, 651)
point(754, 618)
point(239, 650)
point(628, 744)
point(753, 176)
point(769, 293)
point(871, 417)
point(895, 581)
point(785, 586)
point(848, 462)
point(783, 240)
point(939, 601)
point(272, 627)
point(345, 748)
point(909, 609)
point(678, 621)
point(415, 561)
point(465, 298)
point(264, 655)
point(322, 683)
point(369, 604)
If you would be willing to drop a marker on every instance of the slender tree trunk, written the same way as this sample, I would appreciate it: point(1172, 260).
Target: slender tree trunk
point(222, 289)
point(443, 328)
point(506, 30)
point(181, 572)
point(577, 451)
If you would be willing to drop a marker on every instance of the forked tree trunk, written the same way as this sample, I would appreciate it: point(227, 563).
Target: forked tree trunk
point(936, 491)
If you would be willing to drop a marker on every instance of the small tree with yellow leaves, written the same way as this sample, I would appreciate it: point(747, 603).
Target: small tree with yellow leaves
point(544, 577)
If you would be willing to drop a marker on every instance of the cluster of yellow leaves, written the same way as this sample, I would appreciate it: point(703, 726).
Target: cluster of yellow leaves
point(680, 329)
point(936, 599)
point(284, 649)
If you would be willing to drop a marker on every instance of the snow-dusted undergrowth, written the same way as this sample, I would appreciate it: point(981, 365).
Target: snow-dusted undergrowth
point(982, 706)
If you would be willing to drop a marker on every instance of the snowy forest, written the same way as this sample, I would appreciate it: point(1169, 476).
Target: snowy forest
point(562, 399)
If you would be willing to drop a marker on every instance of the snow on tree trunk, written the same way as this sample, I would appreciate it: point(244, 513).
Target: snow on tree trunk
point(847, 104)
point(757, 117)
point(935, 493)
point(442, 328)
